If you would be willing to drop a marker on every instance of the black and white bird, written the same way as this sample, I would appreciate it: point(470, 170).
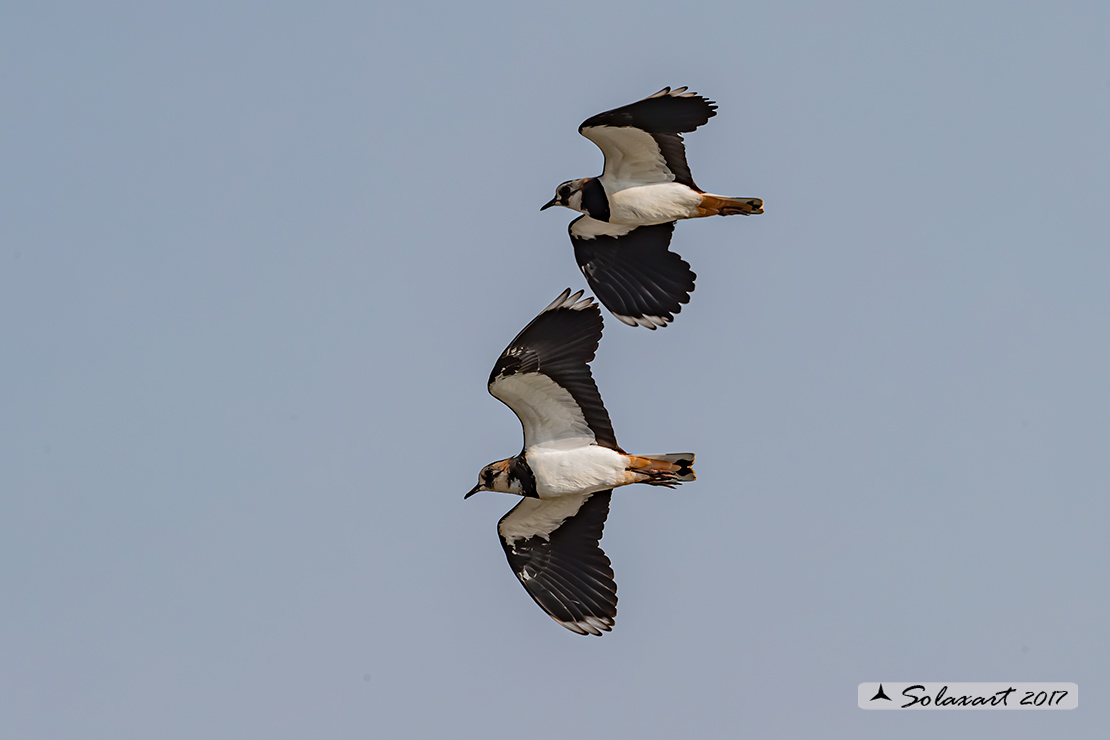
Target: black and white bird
point(569, 466)
point(621, 243)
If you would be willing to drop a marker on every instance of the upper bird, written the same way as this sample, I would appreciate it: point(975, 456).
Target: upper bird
point(569, 466)
point(645, 182)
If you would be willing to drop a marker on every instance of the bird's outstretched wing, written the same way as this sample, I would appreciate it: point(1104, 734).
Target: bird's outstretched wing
point(642, 141)
point(553, 546)
point(544, 377)
point(632, 270)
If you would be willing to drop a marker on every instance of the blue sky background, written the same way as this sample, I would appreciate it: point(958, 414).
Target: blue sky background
point(257, 260)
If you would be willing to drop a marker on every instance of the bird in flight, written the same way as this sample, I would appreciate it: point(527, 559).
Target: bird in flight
point(622, 242)
point(569, 466)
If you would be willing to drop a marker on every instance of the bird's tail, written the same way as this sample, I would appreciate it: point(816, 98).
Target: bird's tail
point(723, 205)
point(663, 470)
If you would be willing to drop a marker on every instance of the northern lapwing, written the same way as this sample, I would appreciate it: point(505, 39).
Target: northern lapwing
point(569, 466)
point(645, 182)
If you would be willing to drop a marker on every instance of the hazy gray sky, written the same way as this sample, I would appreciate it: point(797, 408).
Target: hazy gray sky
point(257, 260)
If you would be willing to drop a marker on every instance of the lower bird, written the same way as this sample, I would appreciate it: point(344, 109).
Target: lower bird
point(569, 466)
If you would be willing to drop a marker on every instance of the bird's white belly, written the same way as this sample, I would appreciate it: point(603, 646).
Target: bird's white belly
point(652, 204)
point(579, 470)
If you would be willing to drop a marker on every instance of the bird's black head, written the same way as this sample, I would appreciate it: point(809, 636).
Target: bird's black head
point(494, 477)
point(568, 195)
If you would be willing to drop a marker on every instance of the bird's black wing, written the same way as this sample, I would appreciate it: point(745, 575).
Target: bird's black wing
point(544, 376)
point(632, 270)
point(642, 141)
point(553, 546)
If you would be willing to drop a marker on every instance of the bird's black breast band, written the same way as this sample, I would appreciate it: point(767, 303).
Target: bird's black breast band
point(519, 470)
point(594, 199)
